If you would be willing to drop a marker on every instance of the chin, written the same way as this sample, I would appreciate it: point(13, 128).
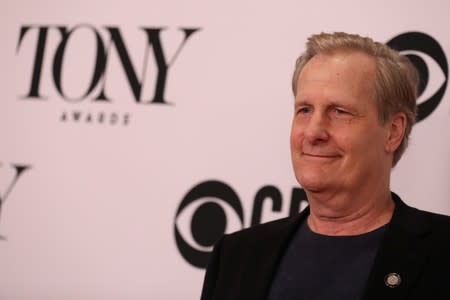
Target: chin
point(313, 183)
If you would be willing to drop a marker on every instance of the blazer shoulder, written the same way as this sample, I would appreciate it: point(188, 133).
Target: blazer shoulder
point(425, 223)
point(440, 223)
point(415, 218)
point(436, 220)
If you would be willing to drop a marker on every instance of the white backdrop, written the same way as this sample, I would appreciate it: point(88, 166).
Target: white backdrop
point(93, 215)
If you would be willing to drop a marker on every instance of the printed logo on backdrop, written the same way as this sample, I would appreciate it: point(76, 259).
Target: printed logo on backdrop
point(212, 208)
point(429, 58)
point(18, 171)
point(55, 51)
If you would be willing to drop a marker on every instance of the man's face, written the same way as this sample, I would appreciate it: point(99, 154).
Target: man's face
point(337, 141)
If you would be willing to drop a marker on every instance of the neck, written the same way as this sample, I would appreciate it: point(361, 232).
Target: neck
point(349, 214)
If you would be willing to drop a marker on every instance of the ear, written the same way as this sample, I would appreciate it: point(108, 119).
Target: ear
point(396, 127)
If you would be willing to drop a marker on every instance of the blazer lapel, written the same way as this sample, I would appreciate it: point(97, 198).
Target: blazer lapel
point(263, 261)
point(401, 255)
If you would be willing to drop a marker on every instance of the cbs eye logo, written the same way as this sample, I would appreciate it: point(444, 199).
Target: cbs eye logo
point(428, 57)
point(213, 203)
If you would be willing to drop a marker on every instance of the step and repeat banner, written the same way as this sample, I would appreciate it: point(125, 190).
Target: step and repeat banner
point(135, 133)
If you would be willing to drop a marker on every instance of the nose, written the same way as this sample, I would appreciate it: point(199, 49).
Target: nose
point(316, 129)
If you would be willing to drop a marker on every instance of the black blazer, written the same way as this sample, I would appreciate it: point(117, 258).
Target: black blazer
point(416, 245)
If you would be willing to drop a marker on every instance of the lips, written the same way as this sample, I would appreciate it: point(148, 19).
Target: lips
point(320, 155)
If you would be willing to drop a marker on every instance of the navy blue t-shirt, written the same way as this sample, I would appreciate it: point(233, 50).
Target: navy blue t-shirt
point(317, 267)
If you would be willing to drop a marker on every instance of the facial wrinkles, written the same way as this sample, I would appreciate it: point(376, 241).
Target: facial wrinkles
point(322, 89)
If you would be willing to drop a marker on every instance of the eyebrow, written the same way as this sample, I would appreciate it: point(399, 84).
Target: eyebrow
point(329, 102)
point(302, 100)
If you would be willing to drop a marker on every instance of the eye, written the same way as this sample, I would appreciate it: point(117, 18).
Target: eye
point(429, 59)
point(339, 111)
point(208, 210)
point(303, 110)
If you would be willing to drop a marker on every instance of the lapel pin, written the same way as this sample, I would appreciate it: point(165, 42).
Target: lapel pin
point(392, 280)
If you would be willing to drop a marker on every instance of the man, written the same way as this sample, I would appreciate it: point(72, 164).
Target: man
point(355, 104)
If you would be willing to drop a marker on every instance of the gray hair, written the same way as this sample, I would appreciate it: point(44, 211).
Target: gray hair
point(396, 80)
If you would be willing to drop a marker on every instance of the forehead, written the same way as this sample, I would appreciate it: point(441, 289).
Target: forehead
point(343, 71)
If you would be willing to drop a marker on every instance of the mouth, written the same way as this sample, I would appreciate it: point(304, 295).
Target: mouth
point(320, 155)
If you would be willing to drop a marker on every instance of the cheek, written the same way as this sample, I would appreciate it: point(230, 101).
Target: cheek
point(362, 144)
point(296, 136)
